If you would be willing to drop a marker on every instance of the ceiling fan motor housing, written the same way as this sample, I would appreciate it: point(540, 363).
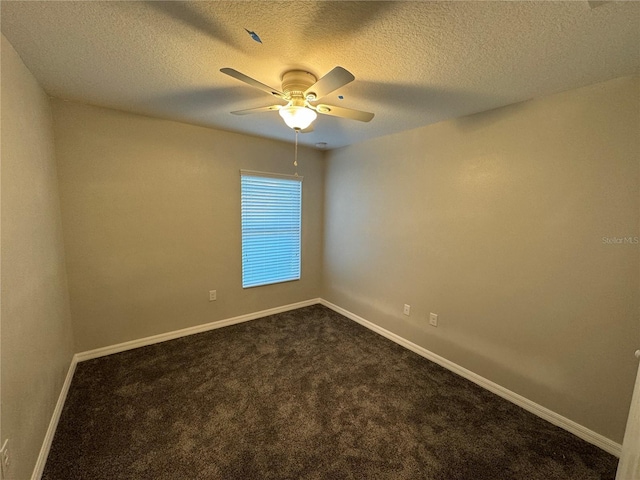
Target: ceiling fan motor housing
point(296, 82)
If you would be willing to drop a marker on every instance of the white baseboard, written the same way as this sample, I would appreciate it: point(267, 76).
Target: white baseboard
point(121, 347)
point(163, 337)
point(53, 423)
point(552, 417)
point(542, 412)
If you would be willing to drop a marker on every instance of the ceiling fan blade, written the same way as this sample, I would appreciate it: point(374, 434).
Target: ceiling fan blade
point(344, 112)
point(254, 83)
point(336, 78)
point(270, 108)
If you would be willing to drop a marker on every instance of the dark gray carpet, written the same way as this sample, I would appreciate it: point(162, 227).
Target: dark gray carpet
point(306, 394)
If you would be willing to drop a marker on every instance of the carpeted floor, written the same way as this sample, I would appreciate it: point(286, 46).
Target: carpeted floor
point(306, 394)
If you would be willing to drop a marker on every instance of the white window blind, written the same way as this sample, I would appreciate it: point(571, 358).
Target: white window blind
point(271, 208)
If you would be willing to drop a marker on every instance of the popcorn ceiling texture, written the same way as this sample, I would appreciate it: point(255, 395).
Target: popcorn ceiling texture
point(415, 63)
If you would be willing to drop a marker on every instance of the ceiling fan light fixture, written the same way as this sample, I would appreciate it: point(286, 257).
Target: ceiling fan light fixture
point(297, 117)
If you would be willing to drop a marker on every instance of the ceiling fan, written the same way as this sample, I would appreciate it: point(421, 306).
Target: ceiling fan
point(301, 89)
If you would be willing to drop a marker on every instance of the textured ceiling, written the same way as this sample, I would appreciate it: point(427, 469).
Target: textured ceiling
point(415, 63)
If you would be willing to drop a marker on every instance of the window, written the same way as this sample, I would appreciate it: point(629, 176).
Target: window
point(271, 208)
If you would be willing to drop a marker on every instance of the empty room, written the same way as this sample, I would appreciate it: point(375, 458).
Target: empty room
point(320, 240)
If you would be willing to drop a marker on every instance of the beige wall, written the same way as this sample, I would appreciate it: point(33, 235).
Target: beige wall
point(151, 215)
point(37, 341)
point(496, 223)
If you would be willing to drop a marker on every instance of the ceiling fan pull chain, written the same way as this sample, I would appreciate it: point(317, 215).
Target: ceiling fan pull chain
point(295, 158)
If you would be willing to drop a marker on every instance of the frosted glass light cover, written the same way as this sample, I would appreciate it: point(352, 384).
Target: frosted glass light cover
point(297, 117)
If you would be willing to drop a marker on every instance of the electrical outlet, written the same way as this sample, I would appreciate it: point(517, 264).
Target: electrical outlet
point(212, 295)
point(433, 319)
point(407, 309)
point(4, 459)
